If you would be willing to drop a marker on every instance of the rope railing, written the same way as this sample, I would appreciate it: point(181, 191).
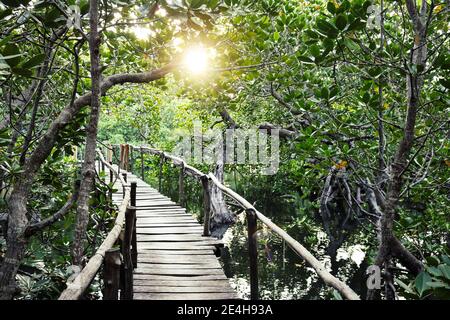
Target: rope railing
point(76, 287)
point(252, 216)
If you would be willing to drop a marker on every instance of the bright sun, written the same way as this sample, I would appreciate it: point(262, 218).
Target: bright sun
point(196, 59)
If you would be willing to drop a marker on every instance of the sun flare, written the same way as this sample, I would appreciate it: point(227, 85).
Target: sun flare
point(196, 59)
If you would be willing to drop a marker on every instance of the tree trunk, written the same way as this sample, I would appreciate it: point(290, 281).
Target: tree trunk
point(16, 241)
point(221, 217)
point(389, 246)
point(88, 171)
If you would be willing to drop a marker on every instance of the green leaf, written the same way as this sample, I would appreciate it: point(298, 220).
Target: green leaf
point(436, 284)
point(276, 36)
point(6, 39)
point(337, 295)
point(11, 54)
point(331, 7)
point(433, 261)
point(22, 72)
point(341, 21)
point(351, 45)
point(445, 269)
point(305, 59)
point(327, 28)
point(422, 282)
point(5, 13)
point(315, 50)
point(195, 4)
point(213, 3)
point(11, 3)
point(404, 286)
point(434, 271)
point(34, 61)
point(324, 93)
point(344, 6)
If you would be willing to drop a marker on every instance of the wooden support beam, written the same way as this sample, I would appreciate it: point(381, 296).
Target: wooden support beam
point(142, 165)
point(125, 179)
point(161, 160)
point(206, 205)
point(127, 292)
point(134, 255)
point(181, 197)
point(111, 274)
point(252, 228)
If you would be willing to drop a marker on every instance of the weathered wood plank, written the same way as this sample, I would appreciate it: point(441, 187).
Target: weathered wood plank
point(176, 252)
point(168, 230)
point(151, 277)
point(183, 283)
point(183, 289)
point(210, 265)
point(174, 224)
point(183, 296)
point(142, 269)
point(169, 259)
point(177, 237)
point(174, 246)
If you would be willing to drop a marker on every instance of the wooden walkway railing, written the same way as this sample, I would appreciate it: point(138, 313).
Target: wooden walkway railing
point(252, 214)
point(118, 262)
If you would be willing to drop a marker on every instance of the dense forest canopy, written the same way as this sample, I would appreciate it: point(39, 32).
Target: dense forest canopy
point(357, 90)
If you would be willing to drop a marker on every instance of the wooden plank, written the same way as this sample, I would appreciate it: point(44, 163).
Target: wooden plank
point(183, 289)
point(169, 259)
point(163, 212)
point(168, 216)
point(168, 230)
point(177, 252)
point(174, 224)
point(151, 277)
point(184, 296)
point(177, 237)
point(158, 207)
point(167, 220)
point(174, 246)
point(162, 202)
point(210, 265)
point(142, 269)
point(183, 283)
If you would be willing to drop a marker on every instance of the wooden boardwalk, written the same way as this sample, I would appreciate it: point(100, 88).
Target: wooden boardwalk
point(175, 262)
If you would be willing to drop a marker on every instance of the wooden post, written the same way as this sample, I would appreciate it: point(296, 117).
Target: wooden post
point(206, 205)
point(134, 253)
point(127, 292)
point(253, 253)
point(103, 169)
point(109, 153)
point(142, 164)
point(121, 156)
point(124, 154)
point(181, 199)
point(123, 187)
point(111, 274)
point(161, 159)
point(111, 177)
point(131, 158)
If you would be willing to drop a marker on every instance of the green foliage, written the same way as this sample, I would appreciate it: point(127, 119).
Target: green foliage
point(432, 283)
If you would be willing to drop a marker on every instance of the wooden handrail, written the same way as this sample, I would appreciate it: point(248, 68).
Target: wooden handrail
point(327, 277)
point(300, 250)
point(81, 282)
point(190, 170)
